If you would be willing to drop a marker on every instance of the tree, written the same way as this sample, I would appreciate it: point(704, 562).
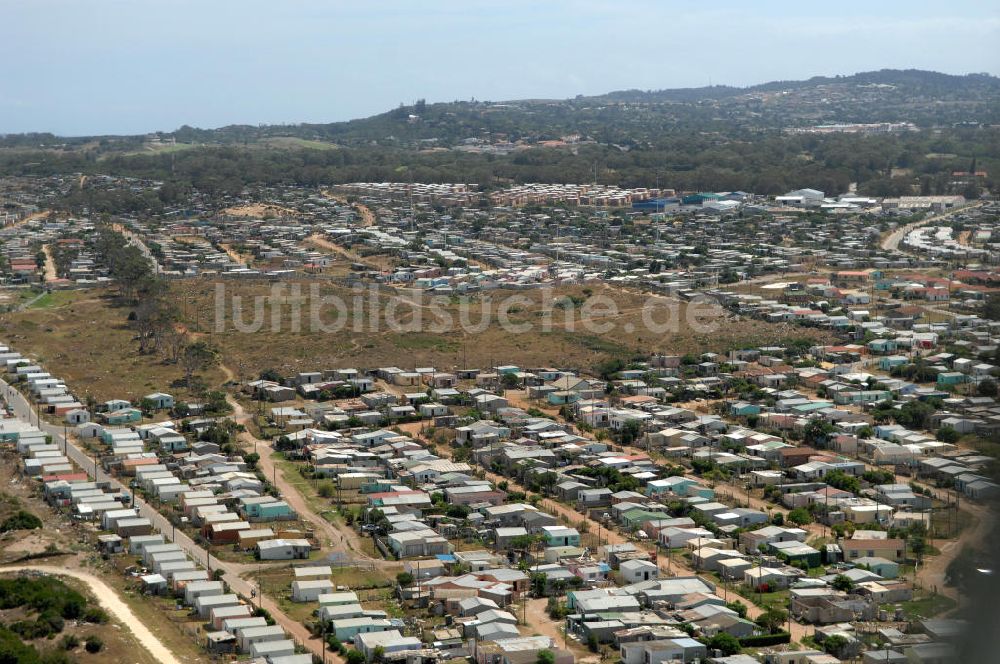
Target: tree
point(841, 582)
point(630, 432)
point(834, 644)
point(727, 643)
point(948, 434)
point(404, 579)
point(772, 619)
point(196, 357)
point(914, 414)
point(251, 459)
point(800, 516)
point(987, 388)
point(817, 431)
point(539, 580)
point(546, 656)
point(355, 657)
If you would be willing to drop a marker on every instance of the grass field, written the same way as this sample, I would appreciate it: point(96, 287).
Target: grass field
point(290, 142)
point(924, 606)
point(84, 338)
point(362, 341)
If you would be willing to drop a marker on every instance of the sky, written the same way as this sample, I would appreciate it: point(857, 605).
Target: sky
point(134, 66)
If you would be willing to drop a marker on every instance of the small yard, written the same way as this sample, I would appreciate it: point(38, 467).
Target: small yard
point(924, 606)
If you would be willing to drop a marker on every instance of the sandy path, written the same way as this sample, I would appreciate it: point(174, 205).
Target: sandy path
point(50, 265)
point(236, 256)
point(110, 600)
point(31, 217)
point(367, 216)
point(331, 537)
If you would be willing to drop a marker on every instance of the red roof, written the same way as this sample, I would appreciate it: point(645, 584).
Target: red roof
point(67, 477)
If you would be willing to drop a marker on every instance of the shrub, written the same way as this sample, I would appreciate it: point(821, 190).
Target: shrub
point(355, 657)
point(70, 642)
point(841, 582)
point(763, 640)
point(800, 516)
point(14, 650)
point(834, 644)
point(739, 607)
point(95, 614)
point(727, 643)
point(41, 594)
point(94, 644)
point(947, 434)
point(20, 520)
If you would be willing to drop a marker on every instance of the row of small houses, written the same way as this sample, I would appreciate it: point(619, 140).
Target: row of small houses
point(170, 569)
point(52, 394)
point(232, 625)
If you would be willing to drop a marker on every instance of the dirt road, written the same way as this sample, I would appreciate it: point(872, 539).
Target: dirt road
point(332, 539)
point(29, 217)
point(368, 217)
point(931, 574)
point(50, 265)
point(110, 600)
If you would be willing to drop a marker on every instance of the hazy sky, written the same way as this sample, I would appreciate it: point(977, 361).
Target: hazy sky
point(129, 66)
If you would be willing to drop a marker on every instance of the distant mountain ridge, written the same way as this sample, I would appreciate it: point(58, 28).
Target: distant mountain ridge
point(917, 79)
point(889, 95)
point(632, 117)
point(766, 138)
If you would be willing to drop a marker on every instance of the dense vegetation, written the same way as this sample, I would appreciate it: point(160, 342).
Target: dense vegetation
point(705, 139)
point(48, 603)
point(20, 520)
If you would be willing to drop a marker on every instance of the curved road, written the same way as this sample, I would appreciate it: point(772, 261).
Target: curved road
point(893, 239)
point(110, 600)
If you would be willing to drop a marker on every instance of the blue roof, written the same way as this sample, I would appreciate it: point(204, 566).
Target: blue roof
point(446, 557)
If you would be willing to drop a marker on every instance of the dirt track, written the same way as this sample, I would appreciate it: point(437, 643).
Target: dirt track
point(114, 604)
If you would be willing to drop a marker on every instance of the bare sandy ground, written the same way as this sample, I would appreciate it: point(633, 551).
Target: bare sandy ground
point(109, 599)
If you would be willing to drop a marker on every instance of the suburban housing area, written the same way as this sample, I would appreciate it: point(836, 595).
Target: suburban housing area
point(819, 495)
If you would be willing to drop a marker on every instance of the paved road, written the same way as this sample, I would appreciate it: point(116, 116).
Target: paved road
point(892, 240)
point(231, 571)
point(110, 600)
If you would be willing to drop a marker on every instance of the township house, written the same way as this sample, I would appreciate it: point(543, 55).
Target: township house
point(890, 549)
point(160, 400)
point(284, 549)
